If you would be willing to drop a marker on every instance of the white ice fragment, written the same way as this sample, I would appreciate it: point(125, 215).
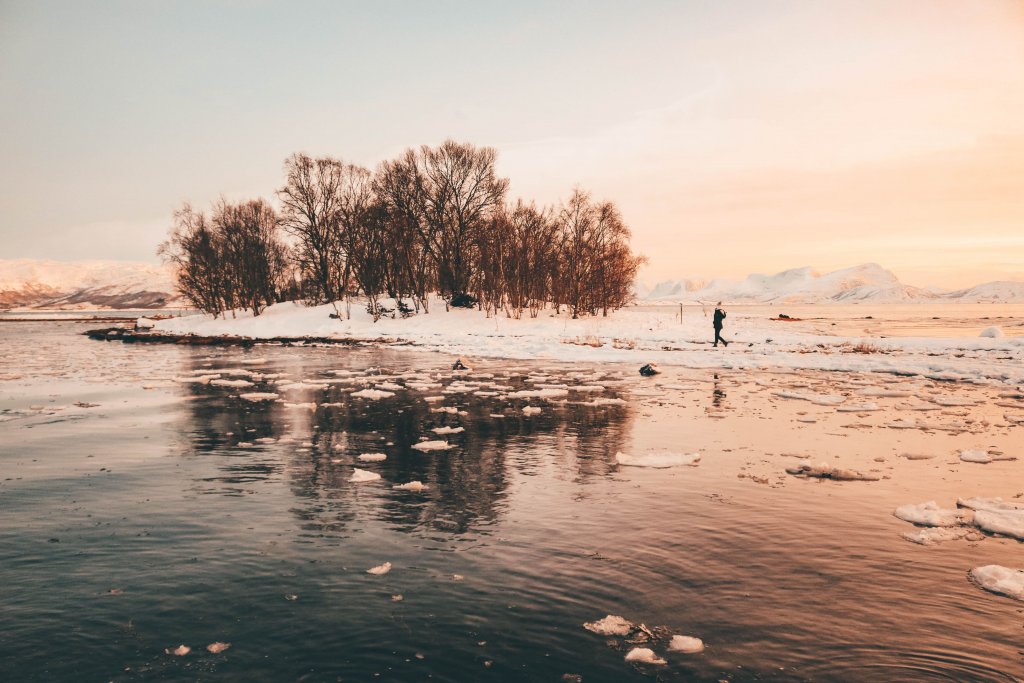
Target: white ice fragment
point(373, 394)
point(993, 332)
point(447, 430)
point(258, 396)
point(390, 386)
point(611, 625)
point(983, 457)
point(1002, 580)
point(934, 535)
point(372, 457)
point(432, 446)
point(858, 408)
point(359, 476)
point(531, 410)
point(179, 651)
point(996, 504)
point(826, 471)
point(644, 655)
point(928, 514)
point(412, 486)
point(1005, 522)
point(658, 460)
point(380, 570)
point(687, 644)
point(231, 383)
point(218, 647)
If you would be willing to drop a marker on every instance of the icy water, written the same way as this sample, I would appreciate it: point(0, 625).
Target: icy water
point(147, 505)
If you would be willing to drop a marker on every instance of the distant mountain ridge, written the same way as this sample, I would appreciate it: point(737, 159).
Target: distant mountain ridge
point(868, 282)
point(71, 285)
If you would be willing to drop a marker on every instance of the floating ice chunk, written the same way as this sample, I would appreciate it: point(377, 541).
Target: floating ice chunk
point(825, 471)
point(372, 457)
point(432, 446)
point(858, 408)
point(587, 387)
point(448, 430)
point(996, 504)
point(390, 386)
point(993, 332)
point(928, 514)
point(658, 460)
point(983, 457)
point(179, 651)
point(373, 394)
point(934, 535)
point(231, 383)
point(380, 570)
point(218, 647)
point(1002, 580)
point(306, 406)
point(258, 396)
point(687, 644)
point(359, 476)
point(451, 410)
point(1006, 522)
point(950, 401)
point(611, 625)
point(412, 486)
point(817, 399)
point(644, 655)
point(604, 401)
point(531, 410)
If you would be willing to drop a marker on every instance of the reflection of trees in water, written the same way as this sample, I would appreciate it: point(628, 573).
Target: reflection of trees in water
point(467, 484)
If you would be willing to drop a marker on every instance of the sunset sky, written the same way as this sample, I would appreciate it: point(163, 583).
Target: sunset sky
point(736, 137)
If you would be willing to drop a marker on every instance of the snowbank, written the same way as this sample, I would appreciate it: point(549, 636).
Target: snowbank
point(631, 335)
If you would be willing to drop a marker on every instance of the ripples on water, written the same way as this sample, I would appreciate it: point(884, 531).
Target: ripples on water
point(152, 493)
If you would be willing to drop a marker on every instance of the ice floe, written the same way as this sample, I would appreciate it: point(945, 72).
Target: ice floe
point(218, 647)
point(372, 457)
point(373, 394)
point(658, 459)
point(360, 476)
point(935, 535)
point(380, 570)
point(644, 655)
point(259, 396)
point(999, 579)
point(611, 625)
point(687, 644)
point(412, 486)
point(929, 514)
point(531, 410)
point(983, 457)
point(826, 471)
point(448, 430)
point(1007, 522)
point(432, 446)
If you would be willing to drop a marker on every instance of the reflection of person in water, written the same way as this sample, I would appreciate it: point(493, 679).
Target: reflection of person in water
point(719, 317)
point(717, 395)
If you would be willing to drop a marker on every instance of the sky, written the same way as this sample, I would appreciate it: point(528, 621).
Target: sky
point(735, 136)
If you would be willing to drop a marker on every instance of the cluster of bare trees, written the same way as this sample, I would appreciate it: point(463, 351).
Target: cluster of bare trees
point(233, 258)
point(435, 219)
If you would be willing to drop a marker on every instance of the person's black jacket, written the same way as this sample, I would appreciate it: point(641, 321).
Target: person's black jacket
point(719, 317)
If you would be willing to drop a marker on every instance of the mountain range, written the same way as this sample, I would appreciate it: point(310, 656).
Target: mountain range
point(70, 285)
point(864, 283)
point(84, 285)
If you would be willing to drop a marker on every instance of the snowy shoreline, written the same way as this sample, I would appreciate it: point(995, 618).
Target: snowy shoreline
point(628, 336)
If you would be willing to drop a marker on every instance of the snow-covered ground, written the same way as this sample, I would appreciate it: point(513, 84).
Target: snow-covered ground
point(634, 336)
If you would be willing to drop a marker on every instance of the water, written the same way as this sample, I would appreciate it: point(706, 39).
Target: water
point(138, 522)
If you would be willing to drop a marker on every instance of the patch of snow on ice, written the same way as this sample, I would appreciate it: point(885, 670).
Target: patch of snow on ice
point(658, 460)
point(1002, 580)
point(611, 625)
point(687, 644)
point(928, 514)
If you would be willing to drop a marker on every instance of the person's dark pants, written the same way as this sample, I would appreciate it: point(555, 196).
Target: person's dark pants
point(718, 337)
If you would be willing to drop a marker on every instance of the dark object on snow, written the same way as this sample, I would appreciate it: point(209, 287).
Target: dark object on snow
point(649, 370)
point(783, 316)
point(459, 365)
point(462, 301)
point(718, 318)
point(335, 316)
point(787, 319)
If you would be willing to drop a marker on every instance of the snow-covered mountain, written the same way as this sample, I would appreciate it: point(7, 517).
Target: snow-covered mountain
point(865, 283)
point(70, 285)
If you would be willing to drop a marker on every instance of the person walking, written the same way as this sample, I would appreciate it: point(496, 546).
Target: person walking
point(718, 318)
